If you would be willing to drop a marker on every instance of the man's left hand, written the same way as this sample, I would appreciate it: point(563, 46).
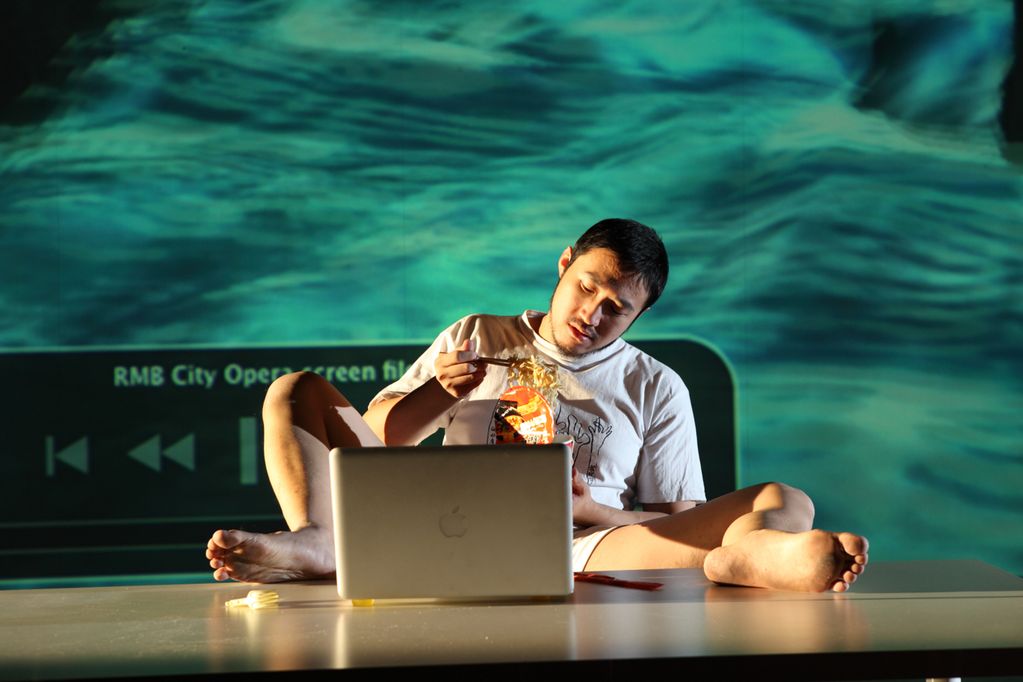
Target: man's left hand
point(583, 506)
point(587, 512)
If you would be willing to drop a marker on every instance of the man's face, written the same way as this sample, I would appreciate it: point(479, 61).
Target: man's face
point(593, 303)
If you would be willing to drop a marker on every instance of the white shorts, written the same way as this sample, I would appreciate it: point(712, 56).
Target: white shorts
point(584, 541)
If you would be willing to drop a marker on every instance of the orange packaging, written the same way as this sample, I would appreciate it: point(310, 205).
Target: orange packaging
point(523, 416)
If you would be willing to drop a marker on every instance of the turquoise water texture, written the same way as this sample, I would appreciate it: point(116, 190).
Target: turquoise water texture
point(842, 223)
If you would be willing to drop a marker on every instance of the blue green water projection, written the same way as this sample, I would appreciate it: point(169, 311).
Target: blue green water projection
point(842, 222)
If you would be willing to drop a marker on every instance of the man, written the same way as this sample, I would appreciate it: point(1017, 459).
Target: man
point(631, 414)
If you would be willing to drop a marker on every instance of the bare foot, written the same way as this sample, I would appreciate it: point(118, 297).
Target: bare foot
point(812, 561)
point(271, 558)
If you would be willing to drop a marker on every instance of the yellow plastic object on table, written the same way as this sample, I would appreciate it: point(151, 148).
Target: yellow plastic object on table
point(363, 602)
point(256, 599)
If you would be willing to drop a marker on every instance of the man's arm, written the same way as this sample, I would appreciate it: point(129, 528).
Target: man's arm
point(671, 507)
point(587, 512)
point(406, 420)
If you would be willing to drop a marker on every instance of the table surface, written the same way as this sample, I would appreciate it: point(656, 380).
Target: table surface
point(932, 618)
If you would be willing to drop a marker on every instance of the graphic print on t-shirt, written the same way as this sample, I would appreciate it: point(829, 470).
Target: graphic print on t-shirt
point(589, 439)
point(521, 415)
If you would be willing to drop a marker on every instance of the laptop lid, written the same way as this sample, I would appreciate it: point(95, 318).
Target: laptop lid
point(453, 522)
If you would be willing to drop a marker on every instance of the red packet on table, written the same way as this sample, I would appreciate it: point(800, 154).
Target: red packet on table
point(523, 416)
point(617, 582)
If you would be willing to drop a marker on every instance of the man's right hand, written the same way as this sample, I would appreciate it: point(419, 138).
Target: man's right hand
point(457, 371)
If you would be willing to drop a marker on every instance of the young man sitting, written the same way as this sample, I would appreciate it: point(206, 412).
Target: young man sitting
point(630, 414)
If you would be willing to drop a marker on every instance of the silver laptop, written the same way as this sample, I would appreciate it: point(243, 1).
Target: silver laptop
point(455, 522)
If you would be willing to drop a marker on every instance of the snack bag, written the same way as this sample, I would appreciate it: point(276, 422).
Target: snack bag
point(523, 415)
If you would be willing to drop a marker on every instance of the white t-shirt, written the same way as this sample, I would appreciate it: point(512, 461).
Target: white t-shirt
point(630, 415)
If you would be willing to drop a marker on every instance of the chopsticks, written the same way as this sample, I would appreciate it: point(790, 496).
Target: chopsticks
point(504, 362)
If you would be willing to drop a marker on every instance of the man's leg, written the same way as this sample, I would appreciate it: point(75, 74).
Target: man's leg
point(758, 536)
point(304, 416)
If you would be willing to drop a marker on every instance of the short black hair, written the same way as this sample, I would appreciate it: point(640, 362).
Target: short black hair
point(639, 250)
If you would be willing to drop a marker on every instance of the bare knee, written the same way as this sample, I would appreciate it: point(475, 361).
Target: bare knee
point(287, 386)
point(799, 503)
point(793, 500)
point(308, 388)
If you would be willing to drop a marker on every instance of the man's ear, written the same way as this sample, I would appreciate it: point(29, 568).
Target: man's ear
point(564, 260)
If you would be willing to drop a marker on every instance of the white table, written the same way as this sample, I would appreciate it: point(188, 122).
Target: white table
point(903, 619)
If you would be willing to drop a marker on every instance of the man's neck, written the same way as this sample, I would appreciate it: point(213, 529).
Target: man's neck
point(542, 326)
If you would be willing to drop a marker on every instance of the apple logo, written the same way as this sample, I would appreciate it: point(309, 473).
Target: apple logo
point(454, 524)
